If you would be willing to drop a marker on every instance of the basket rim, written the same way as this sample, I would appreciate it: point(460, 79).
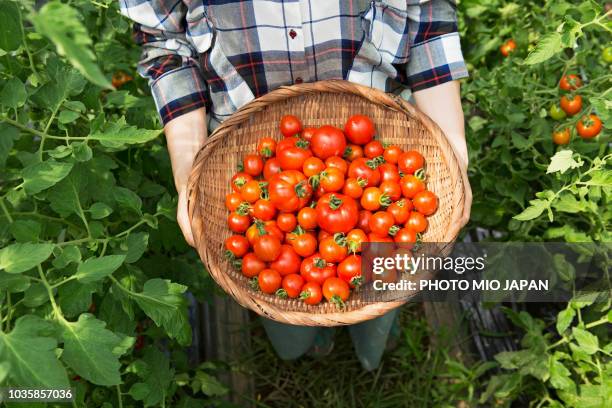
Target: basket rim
point(393, 102)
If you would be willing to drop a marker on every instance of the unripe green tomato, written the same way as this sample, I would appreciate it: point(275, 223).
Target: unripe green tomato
point(556, 112)
point(606, 54)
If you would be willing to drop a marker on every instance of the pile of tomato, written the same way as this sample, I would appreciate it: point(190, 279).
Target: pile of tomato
point(570, 104)
point(301, 208)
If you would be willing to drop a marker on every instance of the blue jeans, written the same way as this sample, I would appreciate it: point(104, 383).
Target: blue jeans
point(369, 338)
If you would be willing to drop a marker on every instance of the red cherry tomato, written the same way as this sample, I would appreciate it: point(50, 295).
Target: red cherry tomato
point(238, 245)
point(315, 269)
point(292, 152)
point(352, 152)
point(289, 191)
point(338, 163)
point(365, 169)
point(331, 250)
point(290, 125)
point(589, 126)
point(308, 133)
point(405, 236)
point(266, 147)
point(571, 105)
point(286, 222)
point(311, 293)
point(392, 154)
point(416, 222)
point(304, 244)
point(337, 213)
point(331, 179)
point(425, 202)
point(359, 129)
point(364, 220)
point(269, 281)
point(292, 285)
point(411, 185)
point(570, 82)
point(349, 270)
point(328, 141)
point(392, 189)
point(355, 238)
point(267, 247)
point(252, 164)
point(239, 180)
point(252, 265)
point(238, 222)
point(263, 210)
point(400, 210)
point(307, 218)
point(288, 261)
point(336, 291)
point(232, 201)
point(271, 168)
point(373, 149)
point(389, 172)
point(381, 222)
point(313, 166)
point(409, 162)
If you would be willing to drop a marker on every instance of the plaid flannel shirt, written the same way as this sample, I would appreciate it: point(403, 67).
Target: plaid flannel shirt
point(221, 54)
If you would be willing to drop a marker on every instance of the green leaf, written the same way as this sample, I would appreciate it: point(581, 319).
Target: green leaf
point(209, 385)
point(100, 210)
point(35, 296)
point(564, 319)
point(14, 283)
point(164, 303)
point(82, 152)
point(67, 195)
point(65, 81)
point(13, 94)
point(74, 297)
point(587, 341)
point(126, 198)
point(601, 178)
point(67, 116)
point(40, 176)
point(25, 230)
point(88, 350)
point(21, 257)
point(562, 161)
point(69, 254)
point(31, 355)
point(533, 211)
point(10, 29)
point(156, 378)
point(8, 134)
point(136, 246)
point(560, 376)
point(62, 25)
point(119, 134)
point(567, 203)
point(548, 46)
point(94, 269)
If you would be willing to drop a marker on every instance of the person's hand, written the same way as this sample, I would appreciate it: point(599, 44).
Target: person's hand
point(182, 215)
point(185, 136)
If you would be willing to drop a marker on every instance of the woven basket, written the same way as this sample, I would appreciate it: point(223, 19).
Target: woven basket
point(325, 102)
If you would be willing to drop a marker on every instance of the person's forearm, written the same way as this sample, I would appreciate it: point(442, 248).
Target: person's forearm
point(185, 136)
point(442, 104)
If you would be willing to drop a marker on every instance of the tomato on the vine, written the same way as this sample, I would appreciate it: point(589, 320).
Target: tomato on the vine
point(252, 265)
point(287, 262)
point(561, 137)
point(589, 126)
point(349, 270)
point(373, 149)
point(508, 47)
point(337, 213)
point(570, 82)
point(556, 112)
point(315, 269)
point(311, 293)
point(411, 161)
point(328, 141)
point(292, 285)
point(238, 245)
point(425, 202)
point(289, 191)
point(359, 129)
point(290, 125)
point(269, 281)
point(363, 168)
point(571, 105)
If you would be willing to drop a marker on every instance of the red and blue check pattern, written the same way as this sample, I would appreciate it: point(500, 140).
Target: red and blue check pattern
point(221, 54)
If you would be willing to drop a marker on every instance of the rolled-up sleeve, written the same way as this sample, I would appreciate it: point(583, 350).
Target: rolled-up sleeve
point(435, 48)
point(169, 61)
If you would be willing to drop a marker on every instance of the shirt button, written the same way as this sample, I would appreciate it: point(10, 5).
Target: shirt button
point(292, 34)
point(298, 80)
